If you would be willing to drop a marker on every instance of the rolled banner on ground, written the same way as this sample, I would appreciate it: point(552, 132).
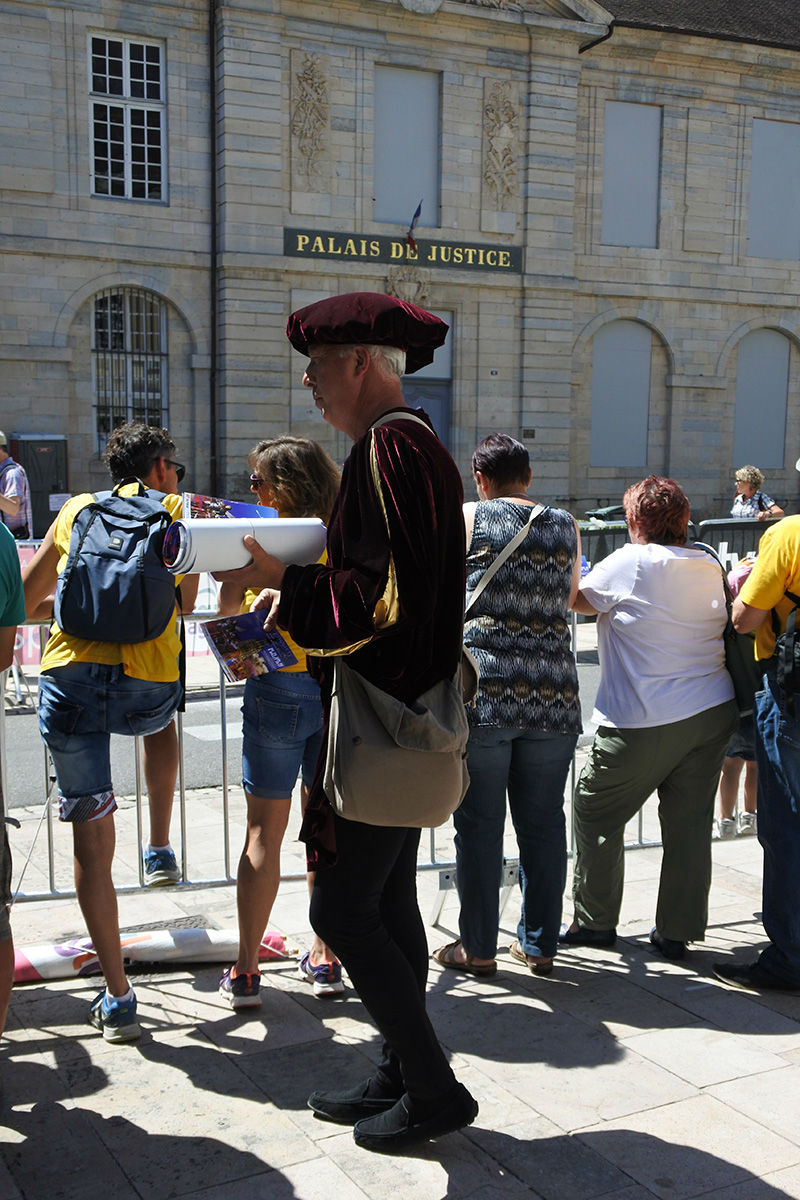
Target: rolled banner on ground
point(65, 960)
point(195, 544)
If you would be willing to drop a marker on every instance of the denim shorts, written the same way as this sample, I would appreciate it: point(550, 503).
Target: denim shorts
point(282, 732)
point(80, 706)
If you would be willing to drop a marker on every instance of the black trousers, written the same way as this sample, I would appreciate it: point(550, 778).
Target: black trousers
point(365, 908)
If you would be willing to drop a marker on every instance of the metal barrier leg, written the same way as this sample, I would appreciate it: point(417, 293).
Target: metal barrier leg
point(447, 881)
point(508, 881)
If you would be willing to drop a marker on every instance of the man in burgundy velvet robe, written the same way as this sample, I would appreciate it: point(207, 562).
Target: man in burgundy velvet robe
point(394, 602)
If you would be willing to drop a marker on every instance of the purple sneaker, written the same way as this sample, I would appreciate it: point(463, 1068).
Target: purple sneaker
point(326, 977)
point(242, 990)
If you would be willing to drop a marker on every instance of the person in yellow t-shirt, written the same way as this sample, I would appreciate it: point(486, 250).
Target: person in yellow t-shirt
point(90, 689)
point(764, 605)
point(282, 730)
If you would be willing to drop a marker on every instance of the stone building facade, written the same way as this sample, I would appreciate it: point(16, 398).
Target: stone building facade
point(608, 221)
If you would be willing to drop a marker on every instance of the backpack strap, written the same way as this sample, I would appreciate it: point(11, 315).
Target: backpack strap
point(784, 650)
point(154, 494)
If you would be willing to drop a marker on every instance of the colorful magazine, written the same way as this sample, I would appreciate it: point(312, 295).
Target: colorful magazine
point(243, 649)
point(196, 506)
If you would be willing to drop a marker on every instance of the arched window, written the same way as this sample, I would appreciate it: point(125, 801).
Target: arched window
point(762, 384)
point(620, 395)
point(129, 359)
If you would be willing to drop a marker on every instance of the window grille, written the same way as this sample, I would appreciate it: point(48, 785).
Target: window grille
point(129, 358)
point(128, 134)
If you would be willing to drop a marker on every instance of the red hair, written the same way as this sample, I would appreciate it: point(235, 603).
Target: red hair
point(660, 508)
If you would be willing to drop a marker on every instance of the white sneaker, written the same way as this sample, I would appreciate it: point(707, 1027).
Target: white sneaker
point(726, 827)
point(747, 824)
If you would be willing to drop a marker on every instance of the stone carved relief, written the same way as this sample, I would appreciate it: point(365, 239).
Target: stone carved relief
point(310, 114)
point(501, 128)
point(408, 283)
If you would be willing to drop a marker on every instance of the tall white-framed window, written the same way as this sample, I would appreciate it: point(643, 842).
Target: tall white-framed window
point(129, 359)
point(406, 145)
point(127, 118)
point(631, 174)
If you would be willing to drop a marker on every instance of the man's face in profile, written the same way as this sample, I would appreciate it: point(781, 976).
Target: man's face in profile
point(329, 374)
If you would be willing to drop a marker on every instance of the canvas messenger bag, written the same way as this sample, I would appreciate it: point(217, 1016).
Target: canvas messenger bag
point(391, 763)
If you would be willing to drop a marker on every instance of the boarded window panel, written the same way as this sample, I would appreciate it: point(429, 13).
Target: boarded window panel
point(406, 146)
point(620, 395)
point(774, 226)
point(762, 382)
point(631, 156)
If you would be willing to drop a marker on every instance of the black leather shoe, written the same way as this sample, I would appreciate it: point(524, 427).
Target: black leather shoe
point(396, 1129)
point(587, 937)
point(668, 947)
point(345, 1108)
point(752, 978)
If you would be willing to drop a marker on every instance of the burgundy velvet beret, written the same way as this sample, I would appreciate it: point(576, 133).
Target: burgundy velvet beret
point(369, 318)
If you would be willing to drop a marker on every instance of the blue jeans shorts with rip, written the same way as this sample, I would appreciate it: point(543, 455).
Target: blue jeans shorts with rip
point(80, 706)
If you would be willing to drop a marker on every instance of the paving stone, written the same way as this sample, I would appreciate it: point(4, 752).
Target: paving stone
point(775, 1186)
point(705, 1056)
point(555, 1165)
point(772, 1098)
point(686, 1149)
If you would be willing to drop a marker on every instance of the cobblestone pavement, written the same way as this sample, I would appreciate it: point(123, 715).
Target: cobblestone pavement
point(620, 1076)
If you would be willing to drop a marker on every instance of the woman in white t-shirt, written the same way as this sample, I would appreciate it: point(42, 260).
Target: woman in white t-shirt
point(665, 712)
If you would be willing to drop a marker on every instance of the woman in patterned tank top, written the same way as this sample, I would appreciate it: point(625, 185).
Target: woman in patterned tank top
point(526, 719)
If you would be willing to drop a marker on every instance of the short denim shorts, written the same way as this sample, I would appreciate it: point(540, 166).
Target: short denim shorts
point(80, 706)
point(282, 732)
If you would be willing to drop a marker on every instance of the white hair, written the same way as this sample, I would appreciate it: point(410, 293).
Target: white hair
point(390, 360)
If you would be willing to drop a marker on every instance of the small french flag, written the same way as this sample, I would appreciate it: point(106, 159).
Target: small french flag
point(410, 235)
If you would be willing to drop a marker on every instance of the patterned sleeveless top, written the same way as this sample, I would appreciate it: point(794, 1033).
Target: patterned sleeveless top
point(519, 629)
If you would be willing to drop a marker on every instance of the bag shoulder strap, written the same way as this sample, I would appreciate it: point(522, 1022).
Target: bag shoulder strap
point(506, 552)
point(726, 586)
point(401, 416)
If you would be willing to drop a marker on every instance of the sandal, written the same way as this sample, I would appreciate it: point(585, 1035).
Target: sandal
point(445, 957)
point(536, 965)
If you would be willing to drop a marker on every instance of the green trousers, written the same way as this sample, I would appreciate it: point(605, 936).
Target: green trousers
point(681, 762)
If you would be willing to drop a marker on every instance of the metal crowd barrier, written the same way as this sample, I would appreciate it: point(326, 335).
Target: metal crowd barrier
point(733, 539)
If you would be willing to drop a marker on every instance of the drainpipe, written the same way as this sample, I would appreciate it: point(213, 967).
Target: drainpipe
point(597, 41)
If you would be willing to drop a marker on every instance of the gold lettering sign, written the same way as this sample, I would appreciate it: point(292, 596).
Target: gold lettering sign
point(355, 247)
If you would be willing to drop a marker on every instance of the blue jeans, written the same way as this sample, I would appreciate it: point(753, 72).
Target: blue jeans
point(282, 732)
point(532, 768)
point(80, 706)
point(778, 757)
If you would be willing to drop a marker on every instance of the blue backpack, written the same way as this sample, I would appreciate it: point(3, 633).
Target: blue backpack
point(114, 586)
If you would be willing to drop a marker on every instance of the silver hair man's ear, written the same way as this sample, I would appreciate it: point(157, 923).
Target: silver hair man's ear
point(797, 465)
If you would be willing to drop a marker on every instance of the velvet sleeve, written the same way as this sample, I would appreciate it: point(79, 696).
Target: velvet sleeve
point(338, 607)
